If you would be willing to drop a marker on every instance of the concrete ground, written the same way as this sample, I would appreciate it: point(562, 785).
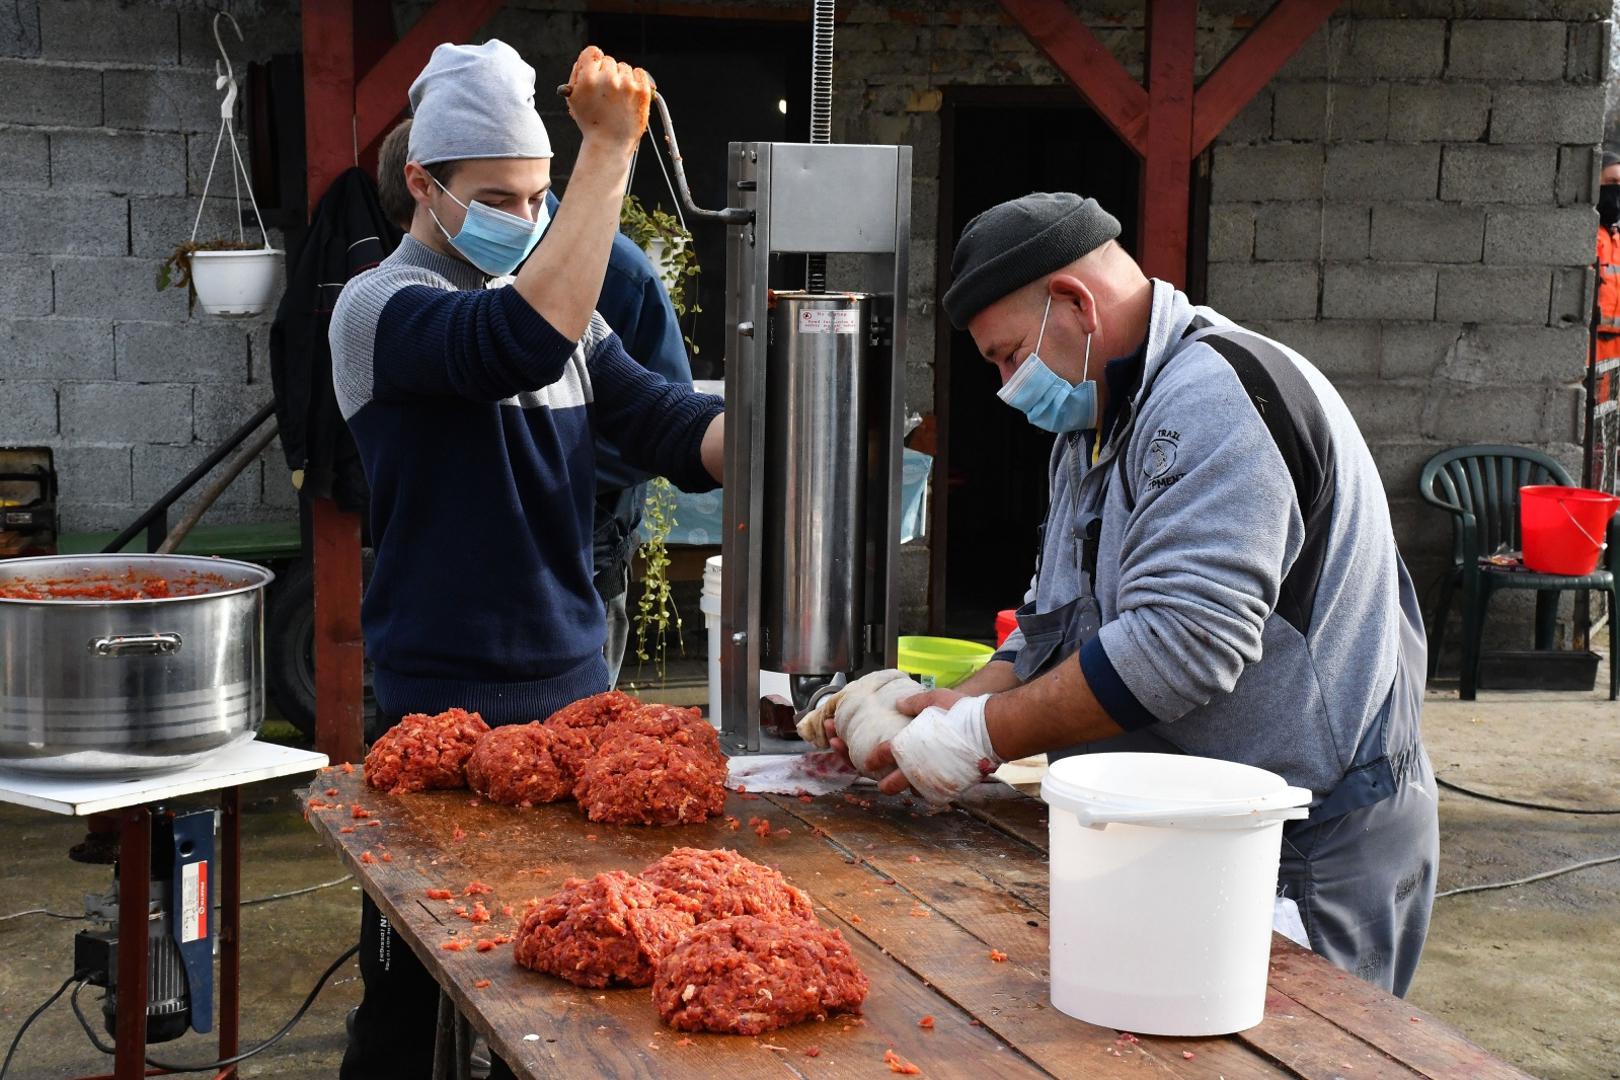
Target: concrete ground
point(1529, 972)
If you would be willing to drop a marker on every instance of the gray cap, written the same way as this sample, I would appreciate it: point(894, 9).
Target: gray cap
point(1010, 245)
point(1610, 158)
point(476, 101)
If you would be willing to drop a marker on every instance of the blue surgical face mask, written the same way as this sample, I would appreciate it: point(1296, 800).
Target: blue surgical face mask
point(1045, 397)
point(493, 240)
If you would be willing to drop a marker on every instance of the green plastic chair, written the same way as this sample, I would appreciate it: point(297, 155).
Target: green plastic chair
point(1479, 487)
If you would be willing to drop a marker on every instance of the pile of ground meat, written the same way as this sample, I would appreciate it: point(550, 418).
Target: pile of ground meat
point(580, 727)
point(640, 780)
point(667, 723)
point(422, 752)
point(725, 883)
point(517, 766)
point(746, 975)
point(612, 929)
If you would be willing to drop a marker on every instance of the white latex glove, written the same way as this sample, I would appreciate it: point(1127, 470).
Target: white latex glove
point(942, 754)
point(863, 714)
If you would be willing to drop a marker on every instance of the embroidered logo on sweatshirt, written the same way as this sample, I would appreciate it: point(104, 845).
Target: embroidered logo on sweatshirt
point(1161, 456)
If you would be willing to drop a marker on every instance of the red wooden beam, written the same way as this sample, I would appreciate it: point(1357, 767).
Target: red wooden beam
point(1172, 27)
point(1249, 67)
point(328, 150)
point(1085, 62)
point(380, 95)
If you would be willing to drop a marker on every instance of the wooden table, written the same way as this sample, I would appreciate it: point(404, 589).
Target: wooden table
point(922, 898)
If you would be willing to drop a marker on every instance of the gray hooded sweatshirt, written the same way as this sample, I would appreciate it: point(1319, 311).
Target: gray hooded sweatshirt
point(1253, 605)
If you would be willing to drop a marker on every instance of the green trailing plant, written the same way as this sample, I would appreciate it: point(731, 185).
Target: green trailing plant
point(655, 607)
point(677, 263)
point(175, 271)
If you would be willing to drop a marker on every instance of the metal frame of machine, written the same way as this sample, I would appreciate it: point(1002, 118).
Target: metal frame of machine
point(852, 203)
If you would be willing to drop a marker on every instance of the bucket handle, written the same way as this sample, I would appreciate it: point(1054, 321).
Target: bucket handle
point(1295, 798)
point(1600, 544)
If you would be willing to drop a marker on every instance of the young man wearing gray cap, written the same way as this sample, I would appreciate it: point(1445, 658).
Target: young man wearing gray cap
point(1216, 575)
point(473, 396)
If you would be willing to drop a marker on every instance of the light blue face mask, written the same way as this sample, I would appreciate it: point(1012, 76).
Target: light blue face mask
point(1046, 398)
point(493, 240)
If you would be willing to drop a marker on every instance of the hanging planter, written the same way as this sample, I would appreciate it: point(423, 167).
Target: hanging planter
point(230, 279)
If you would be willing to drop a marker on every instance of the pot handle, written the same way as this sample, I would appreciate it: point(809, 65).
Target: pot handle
point(136, 644)
point(1293, 807)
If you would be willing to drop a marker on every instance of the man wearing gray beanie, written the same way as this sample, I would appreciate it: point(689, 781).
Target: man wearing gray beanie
point(1217, 576)
point(475, 373)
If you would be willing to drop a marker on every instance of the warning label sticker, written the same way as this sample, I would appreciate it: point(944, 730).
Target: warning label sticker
point(813, 321)
point(194, 901)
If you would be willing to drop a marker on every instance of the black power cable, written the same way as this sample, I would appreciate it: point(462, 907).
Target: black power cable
point(211, 1066)
point(1471, 793)
point(5, 1067)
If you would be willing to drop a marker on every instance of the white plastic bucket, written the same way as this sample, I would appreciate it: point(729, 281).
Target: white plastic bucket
point(234, 284)
point(709, 604)
point(1163, 874)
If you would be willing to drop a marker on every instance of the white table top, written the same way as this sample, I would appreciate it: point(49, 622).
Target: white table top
point(81, 796)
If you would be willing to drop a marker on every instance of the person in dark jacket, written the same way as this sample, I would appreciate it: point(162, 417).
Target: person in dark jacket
point(635, 303)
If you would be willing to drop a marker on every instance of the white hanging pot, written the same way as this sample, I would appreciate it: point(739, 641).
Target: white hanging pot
point(662, 255)
point(235, 284)
point(238, 282)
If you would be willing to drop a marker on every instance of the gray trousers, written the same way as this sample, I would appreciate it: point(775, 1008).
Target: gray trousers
point(1364, 881)
point(617, 609)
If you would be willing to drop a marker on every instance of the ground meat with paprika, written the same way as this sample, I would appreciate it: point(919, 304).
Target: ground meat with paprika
point(639, 780)
point(667, 723)
point(746, 975)
point(422, 752)
point(612, 929)
point(581, 726)
point(516, 766)
point(725, 883)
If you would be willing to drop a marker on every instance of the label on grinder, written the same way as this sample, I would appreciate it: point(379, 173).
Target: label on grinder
point(194, 901)
point(846, 321)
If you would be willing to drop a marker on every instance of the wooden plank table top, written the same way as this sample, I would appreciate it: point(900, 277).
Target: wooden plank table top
point(923, 898)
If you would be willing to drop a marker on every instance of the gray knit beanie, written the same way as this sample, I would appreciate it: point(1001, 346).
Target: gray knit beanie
point(1010, 245)
point(475, 101)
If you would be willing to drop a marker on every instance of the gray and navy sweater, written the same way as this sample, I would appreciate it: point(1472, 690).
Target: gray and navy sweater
point(475, 418)
point(1235, 533)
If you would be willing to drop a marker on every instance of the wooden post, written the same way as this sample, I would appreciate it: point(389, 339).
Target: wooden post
point(1167, 164)
point(328, 150)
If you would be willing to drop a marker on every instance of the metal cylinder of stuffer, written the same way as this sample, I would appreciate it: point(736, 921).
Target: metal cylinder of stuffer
point(815, 482)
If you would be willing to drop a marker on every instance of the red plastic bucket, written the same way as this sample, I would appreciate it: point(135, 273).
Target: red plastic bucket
point(1563, 528)
point(1006, 623)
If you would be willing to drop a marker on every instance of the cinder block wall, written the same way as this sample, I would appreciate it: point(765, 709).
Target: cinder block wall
point(108, 117)
point(1410, 204)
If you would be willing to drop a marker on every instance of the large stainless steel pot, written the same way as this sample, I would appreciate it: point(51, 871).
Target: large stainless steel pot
point(123, 687)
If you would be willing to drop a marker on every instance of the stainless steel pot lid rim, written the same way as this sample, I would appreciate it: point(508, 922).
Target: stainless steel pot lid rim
point(17, 569)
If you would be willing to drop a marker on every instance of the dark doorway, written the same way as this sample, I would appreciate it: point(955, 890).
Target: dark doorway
point(999, 144)
point(725, 81)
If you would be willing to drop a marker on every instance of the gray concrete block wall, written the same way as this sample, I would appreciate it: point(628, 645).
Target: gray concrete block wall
point(1464, 319)
point(108, 115)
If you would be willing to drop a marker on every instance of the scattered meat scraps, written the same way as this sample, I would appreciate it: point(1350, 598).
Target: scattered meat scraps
point(517, 766)
point(476, 888)
point(331, 791)
point(422, 752)
point(998, 956)
point(439, 894)
point(612, 929)
point(812, 1051)
point(366, 857)
point(926, 1023)
point(639, 780)
point(348, 768)
point(453, 945)
point(346, 829)
point(484, 945)
point(898, 1064)
point(481, 984)
point(746, 975)
point(725, 883)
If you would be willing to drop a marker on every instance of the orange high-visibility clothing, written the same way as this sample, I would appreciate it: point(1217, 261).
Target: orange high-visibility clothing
point(1608, 259)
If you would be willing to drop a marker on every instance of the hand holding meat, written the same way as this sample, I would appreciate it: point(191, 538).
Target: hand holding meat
point(941, 754)
point(609, 99)
point(862, 716)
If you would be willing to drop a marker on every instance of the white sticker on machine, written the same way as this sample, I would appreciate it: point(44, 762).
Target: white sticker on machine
point(822, 321)
point(194, 901)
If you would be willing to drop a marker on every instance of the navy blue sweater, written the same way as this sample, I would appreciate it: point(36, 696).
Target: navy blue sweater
point(474, 418)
